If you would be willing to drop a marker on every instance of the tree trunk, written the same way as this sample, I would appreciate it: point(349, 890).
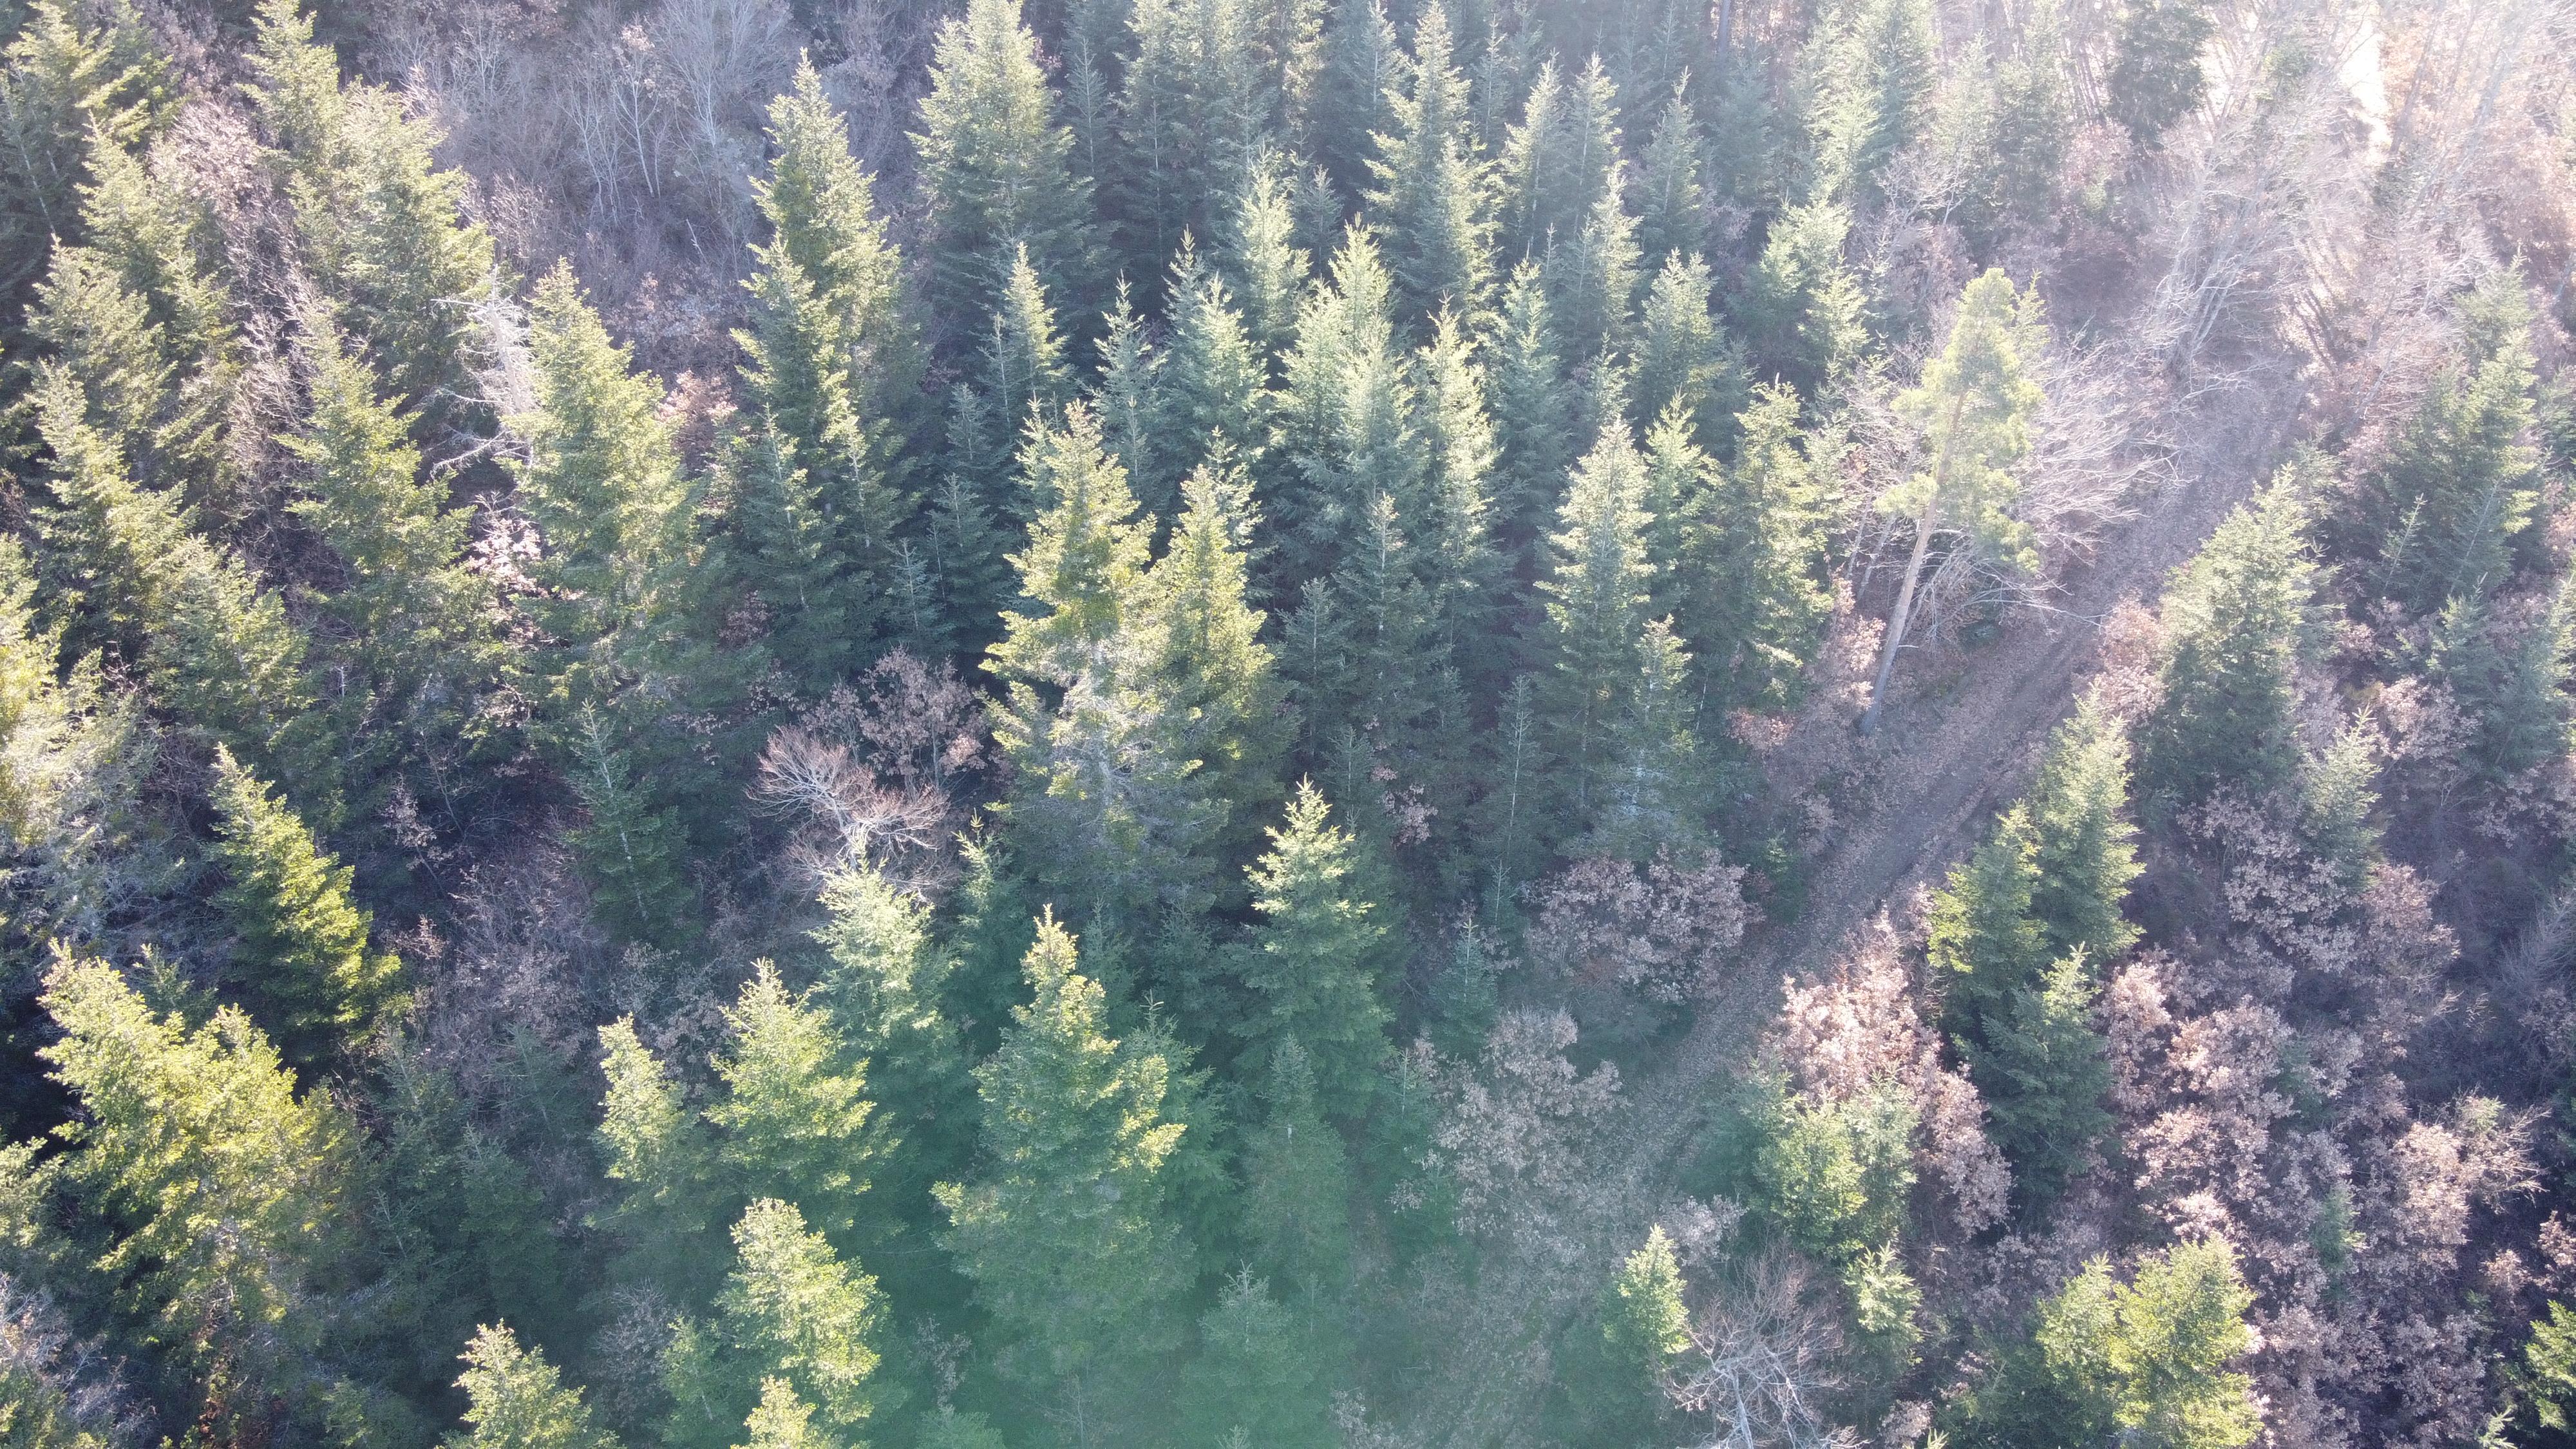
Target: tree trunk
point(1904, 613)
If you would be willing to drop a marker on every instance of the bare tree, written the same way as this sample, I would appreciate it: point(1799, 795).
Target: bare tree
point(1762, 1361)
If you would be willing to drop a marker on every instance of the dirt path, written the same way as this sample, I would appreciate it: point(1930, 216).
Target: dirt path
point(1949, 763)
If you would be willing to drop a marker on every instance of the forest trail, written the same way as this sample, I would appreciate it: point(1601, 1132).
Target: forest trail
point(1949, 762)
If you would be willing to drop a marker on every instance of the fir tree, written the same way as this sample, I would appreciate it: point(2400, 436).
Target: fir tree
point(795, 1121)
point(1345, 419)
point(1681, 355)
point(1064, 1227)
point(1215, 394)
point(1672, 194)
point(1560, 161)
point(657, 1150)
point(1981, 930)
point(2234, 619)
point(1363, 67)
point(1429, 191)
point(299, 938)
point(2041, 1073)
point(1596, 593)
point(514, 1399)
point(2084, 855)
point(1747, 582)
point(1190, 118)
point(2513, 689)
point(784, 1421)
point(1451, 515)
point(791, 1311)
point(1023, 353)
point(1975, 404)
point(631, 842)
point(1534, 412)
point(1803, 309)
point(2155, 77)
point(1652, 789)
point(996, 165)
point(1296, 1184)
point(230, 1189)
point(1256, 1379)
point(1217, 686)
point(1873, 88)
point(1644, 1327)
point(884, 988)
point(1261, 259)
point(382, 226)
point(69, 73)
point(1592, 274)
point(1314, 961)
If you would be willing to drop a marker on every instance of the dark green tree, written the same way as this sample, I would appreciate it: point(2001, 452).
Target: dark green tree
point(1747, 585)
point(996, 167)
point(2155, 77)
point(1257, 1379)
point(1315, 961)
point(1296, 1184)
point(2077, 809)
point(71, 71)
point(2234, 620)
point(1429, 191)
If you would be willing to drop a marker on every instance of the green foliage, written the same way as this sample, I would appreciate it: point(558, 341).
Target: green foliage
point(1064, 1226)
point(1672, 190)
point(1314, 961)
point(2156, 75)
point(1257, 1377)
point(227, 1188)
point(1833, 1175)
point(1429, 191)
point(1644, 1328)
point(1974, 404)
point(298, 938)
point(1597, 591)
point(383, 228)
point(1803, 308)
point(2143, 1362)
point(515, 1400)
point(1746, 582)
point(2085, 856)
point(792, 1311)
point(2548, 1377)
point(794, 1121)
point(2512, 689)
point(884, 985)
point(1872, 90)
point(1297, 1185)
point(995, 164)
point(2038, 1064)
point(652, 1144)
point(2234, 620)
point(1190, 118)
point(71, 72)
point(1534, 416)
point(1682, 358)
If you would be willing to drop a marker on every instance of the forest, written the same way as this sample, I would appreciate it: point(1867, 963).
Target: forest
point(1287, 724)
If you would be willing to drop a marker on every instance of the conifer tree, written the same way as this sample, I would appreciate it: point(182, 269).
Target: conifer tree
point(229, 1189)
point(792, 1310)
point(1314, 961)
point(1128, 393)
point(1672, 192)
point(1534, 414)
point(654, 1146)
point(1592, 274)
point(1345, 418)
point(1560, 161)
point(69, 73)
point(2155, 77)
point(1981, 927)
point(1651, 792)
point(996, 166)
point(2084, 855)
point(1596, 591)
point(2513, 689)
point(1803, 309)
point(884, 987)
point(299, 938)
point(631, 841)
point(1872, 89)
point(795, 1121)
point(1190, 119)
point(783, 1421)
point(514, 1399)
point(383, 228)
point(1429, 191)
point(2039, 1067)
point(1974, 403)
point(1363, 69)
point(2234, 619)
point(1296, 1184)
point(1260, 257)
point(1644, 1326)
point(1064, 1227)
point(1746, 581)
point(1451, 518)
point(1023, 352)
point(1682, 357)
point(101, 334)
point(1215, 392)
point(1256, 1379)
point(1218, 689)
point(411, 615)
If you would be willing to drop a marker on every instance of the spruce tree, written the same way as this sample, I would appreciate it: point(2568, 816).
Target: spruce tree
point(1644, 1327)
point(996, 167)
point(1344, 421)
point(2041, 1073)
point(2234, 619)
point(654, 1146)
point(1672, 193)
point(1747, 581)
point(2084, 853)
point(1429, 191)
point(514, 1399)
point(299, 939)
point(1296, 1184)
point(1064, 1227)
point(1315, 961)
point(1260, 257)
point(792, 1310)
point(1681, 355)
point(1802, 312)
point(1534, 414)
point(1975, 404)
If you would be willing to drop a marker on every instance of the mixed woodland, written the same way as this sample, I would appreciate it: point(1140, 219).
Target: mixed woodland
point(1287, 724)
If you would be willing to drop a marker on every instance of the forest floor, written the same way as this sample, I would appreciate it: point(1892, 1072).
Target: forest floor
point(1946, 762)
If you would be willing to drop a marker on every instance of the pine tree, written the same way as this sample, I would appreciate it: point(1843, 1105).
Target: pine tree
point(652, 1144)
point(1596, 592)
point(230, 1191)
point(2234, 619)
point(795, 1123)
point(996, 165)
point(1256, 1379)
point(1296, 1184)
point(1314, 961)
point(2084, 855)
point(1975, 404)
point(1803, 309)
point(1429, 191)
point(1064, 1228)
point(298, 937)
point(70, 72)
point(383, 229)
point(514, 1399)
